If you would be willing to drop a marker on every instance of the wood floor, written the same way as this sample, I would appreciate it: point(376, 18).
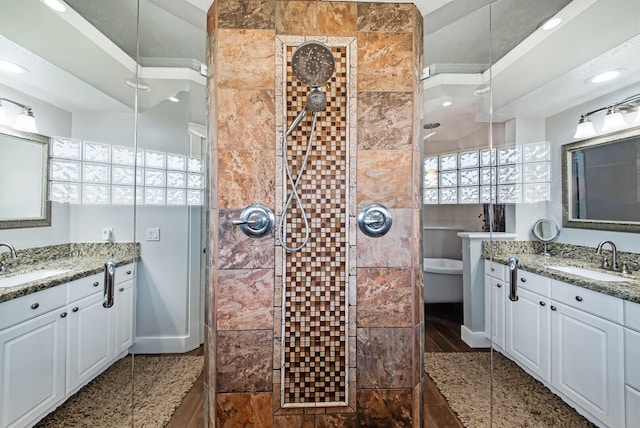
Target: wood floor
point(442, 334)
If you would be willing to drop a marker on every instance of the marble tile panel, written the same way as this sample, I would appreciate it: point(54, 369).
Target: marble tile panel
point(213, 222)
point(384, 120)
point(212, 17)
point(277, 321)
point(246, 177)
point(392, 249)
point(415, 346)
point(277, 349)
point(295, 17)
point(239, 251)
point(417, 181)
point(246, 14)
point(244, 361)
point(245, 59)
point(345, 420)
point(294, 421)
point(385, 408)
point(384, 297)
point(385, 62)
point(246, 119)
point(384, 177)
point(418, 294)
point(385, 18)
point(336, 18)
point(244, 410)
point(385, 357)
point(245, 299)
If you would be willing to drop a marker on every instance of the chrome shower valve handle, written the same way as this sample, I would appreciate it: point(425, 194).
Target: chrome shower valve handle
point(256, 220)
point(375, 220)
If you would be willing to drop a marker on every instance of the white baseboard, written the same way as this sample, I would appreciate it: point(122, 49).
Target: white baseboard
point(475, 339)
point(163, 345)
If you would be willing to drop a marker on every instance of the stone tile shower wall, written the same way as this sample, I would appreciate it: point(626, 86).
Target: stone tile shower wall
point(341, 345)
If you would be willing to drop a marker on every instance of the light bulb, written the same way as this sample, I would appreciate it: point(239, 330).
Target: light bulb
point(613, 120)
point(584, 129)
point(26, 122)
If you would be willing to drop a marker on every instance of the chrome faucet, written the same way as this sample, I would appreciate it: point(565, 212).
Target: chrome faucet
point(614, 256)
point(13, 252)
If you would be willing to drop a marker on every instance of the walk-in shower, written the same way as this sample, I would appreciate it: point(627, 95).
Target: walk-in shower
point(313, 64)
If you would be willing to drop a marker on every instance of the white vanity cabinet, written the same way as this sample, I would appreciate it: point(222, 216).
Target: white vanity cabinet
point(55, 341)
point(632, 363)
point(587, 362)
point(495, 295)
point(527, 324)
point(32, 363)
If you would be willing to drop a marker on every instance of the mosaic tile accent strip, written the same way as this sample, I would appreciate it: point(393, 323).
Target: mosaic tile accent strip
point(314, 337)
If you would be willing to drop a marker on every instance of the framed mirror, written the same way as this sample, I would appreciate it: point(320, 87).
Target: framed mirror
point(24, 190)
point(601, 182)
point(545, 230)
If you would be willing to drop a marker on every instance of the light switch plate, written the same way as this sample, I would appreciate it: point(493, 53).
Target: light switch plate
point(153, 234)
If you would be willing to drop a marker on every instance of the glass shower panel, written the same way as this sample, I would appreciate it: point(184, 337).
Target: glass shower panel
point(170, 215)
point(459, 170)
point(65, 361)
point(563, 358)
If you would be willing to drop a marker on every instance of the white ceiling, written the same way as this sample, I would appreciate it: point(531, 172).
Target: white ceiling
point(90, 49)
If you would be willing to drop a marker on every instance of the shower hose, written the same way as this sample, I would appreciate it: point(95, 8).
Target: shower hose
point(282, 226)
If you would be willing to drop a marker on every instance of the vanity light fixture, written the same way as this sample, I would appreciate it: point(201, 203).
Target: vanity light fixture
point(25, 122)
point(613, 120)
point(446, 103)
point(174, 99)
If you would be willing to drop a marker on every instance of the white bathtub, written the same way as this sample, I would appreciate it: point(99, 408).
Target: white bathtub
point(442, 280)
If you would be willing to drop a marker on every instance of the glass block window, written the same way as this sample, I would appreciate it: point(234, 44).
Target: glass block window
point(489, 175)
point(88, 172)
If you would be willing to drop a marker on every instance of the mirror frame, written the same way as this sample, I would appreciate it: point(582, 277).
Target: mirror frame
point(45, 220)
point(567, 220)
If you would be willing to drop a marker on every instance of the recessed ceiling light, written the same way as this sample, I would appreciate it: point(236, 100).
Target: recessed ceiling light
point(134, 85)
point(174, 99)
point(446, 104)
point(56, 5)
point(552, 23)
point(604, 77)
point(10, 67)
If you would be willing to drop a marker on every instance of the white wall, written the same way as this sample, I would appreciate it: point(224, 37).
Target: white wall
point(559, 130)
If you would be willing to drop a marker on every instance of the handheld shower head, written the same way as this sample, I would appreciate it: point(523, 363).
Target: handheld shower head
point(316, 101)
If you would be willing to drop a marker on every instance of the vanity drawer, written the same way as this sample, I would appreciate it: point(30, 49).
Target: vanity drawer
point(533, 282)
point(23, 308)
point(83, 287)
point(632, 315)
point(598, 304)
point(631, 352)
point(125, 273)
point(495, 269)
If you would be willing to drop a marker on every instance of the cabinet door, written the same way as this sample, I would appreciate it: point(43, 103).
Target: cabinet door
point(494, 311)
point(587, 362)
point(89, 340)
point(527, 325)
point(32, 364)
point(124, 316)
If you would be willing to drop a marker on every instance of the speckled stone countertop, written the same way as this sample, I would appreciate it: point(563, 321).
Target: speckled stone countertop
point(80, 259)
point(530, 260)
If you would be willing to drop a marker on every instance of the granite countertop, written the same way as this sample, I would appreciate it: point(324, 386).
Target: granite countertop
point(81, 260)
point(538, 264)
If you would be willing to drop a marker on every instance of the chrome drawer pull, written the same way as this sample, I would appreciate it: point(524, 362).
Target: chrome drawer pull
point(121, 289)
point(128, 272)
point(95, 284)
point(499, 285)
point(75, 309)
point(579, 299)
point(542, 303)
point(63, 315)
point(553, 308)
point(35, 306)
point(523, 279)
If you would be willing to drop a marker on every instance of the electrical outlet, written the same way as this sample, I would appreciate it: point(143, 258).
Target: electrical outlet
point(153, 234)
point(107, 234)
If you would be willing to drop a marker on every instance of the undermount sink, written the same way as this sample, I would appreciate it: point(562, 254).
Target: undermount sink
point(12, 281)
point(588, 273)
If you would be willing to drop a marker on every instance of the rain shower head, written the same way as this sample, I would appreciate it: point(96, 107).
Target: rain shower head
point(313, 63)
